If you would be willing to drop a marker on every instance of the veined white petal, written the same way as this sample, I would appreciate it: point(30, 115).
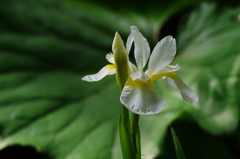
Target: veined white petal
point(142, 100)
point(110, 58)
point(162, 55)
point(139, 75)
point(169, 68)
point(129, 42)
point(187, 93)
point(98, 76)
point(142, 49)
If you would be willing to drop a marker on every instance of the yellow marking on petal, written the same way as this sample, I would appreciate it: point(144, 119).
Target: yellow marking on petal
point(138, 83)
point(110, 67)
point(168, 74)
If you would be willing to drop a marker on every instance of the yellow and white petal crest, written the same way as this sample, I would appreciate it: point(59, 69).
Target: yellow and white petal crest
point(142, 49)
point(106, 70)
point(142, 99)
point(162, 55)
point(110, 58)
point(187, 93)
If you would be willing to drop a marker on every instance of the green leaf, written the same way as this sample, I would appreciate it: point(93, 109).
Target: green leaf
point(177, 145)
point(47, 46)
point(210, 63)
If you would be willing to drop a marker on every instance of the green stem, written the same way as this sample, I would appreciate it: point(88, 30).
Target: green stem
point(136, 135)
point(125, 135)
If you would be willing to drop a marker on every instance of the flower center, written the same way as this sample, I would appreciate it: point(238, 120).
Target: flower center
point(138, 83)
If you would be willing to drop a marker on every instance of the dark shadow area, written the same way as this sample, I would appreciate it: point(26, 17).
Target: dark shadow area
point(198, 144)
point(171, 26)
point(21, 152)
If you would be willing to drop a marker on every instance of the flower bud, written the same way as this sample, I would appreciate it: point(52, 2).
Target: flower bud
point(121, 61)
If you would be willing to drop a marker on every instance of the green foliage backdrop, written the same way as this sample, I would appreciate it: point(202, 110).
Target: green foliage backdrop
point(47, 46)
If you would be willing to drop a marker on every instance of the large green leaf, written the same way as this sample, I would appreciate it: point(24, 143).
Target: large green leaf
point(47, 46)
point(210, 53)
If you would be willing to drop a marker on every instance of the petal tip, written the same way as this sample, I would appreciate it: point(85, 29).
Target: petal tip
point(86, 78)
point(194, 99)
point(170, 38)
point(133, 28)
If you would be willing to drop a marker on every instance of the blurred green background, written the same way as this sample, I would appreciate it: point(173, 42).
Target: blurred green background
point(47, 46)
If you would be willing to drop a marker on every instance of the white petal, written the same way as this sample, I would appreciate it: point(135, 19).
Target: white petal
point(142, 49)
point(98, 76)
point(187, 93)
point(139, 75)
point(132, 67)
point(142, 100)
point(110, 58)
point(129, 42)
point(169, 68)
point(162, 55)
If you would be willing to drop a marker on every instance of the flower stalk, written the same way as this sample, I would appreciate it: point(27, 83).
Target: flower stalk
point(136, 134)
point(129, 137)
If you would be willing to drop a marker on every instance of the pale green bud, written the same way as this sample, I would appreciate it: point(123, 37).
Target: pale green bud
point(121, 61)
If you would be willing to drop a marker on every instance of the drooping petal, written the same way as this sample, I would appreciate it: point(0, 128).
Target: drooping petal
point(142, 49)
point(142, 100)
point(187, 93)
point(107, 70)
point(110, 58)
point(162, 55)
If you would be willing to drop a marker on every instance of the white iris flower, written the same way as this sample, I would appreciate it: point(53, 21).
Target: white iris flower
point(139, 94)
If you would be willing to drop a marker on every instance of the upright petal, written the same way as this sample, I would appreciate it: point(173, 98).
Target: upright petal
point(107, 70)
point(187, 93)
point(110, 58)
point(141, 100)
point(131, 66)
point(129, 42)
point(162, 55)
point(142, 49)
